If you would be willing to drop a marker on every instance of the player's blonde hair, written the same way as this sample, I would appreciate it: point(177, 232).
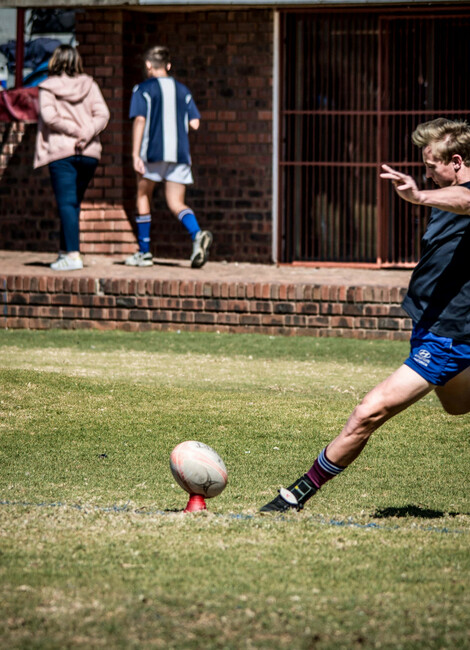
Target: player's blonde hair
point(447, 138)
point(158, 56)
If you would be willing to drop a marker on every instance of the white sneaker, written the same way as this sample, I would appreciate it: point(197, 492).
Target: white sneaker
point(140, 259)
point(201, 247)
point(66, 263)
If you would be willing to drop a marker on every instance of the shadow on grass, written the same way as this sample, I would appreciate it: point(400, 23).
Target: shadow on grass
point(413, 511)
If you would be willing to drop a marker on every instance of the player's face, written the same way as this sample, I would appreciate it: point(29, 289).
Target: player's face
point(443, 174)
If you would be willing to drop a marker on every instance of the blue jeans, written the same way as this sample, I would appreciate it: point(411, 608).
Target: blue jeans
point(70, 177)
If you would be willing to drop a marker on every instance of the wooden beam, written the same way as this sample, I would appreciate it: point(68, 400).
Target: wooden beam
point(19, 63)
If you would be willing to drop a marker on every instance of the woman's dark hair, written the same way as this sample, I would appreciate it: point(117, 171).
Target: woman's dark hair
point(65, 60)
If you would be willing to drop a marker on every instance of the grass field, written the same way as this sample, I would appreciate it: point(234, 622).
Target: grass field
point(96, 552)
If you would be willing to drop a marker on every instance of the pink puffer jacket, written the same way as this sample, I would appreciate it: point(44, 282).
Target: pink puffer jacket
point(71, 110)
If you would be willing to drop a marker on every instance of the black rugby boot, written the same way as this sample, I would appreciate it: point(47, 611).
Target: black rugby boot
point(292, 498)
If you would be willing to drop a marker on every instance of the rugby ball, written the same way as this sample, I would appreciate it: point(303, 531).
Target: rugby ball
point(198, 469)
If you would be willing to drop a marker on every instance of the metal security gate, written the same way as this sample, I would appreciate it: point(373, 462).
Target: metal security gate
point(353, 88)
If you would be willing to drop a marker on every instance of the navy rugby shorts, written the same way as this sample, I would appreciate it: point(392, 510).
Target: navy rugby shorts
point(436, 358)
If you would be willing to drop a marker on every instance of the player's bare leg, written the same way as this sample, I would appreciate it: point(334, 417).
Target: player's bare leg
point(175, 194)
point(401, 389)
point(455, 395)
point(202, 239)
point(396, 393)
point(145, 188)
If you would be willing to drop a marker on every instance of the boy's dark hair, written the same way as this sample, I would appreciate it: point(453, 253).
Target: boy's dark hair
point(158, 56)
point(65, 60)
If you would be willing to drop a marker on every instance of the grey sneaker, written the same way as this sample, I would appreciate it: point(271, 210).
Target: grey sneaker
point(66, 263)
point(201, 247)
point(140, 259)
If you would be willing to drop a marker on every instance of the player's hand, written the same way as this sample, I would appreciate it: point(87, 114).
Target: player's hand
point(405, 186)
point(138, 164)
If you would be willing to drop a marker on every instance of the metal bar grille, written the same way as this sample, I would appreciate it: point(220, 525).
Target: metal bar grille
point(353, 88)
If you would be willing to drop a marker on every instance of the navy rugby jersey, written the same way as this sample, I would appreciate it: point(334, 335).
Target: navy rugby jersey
point(168, 107)
point(438, 296)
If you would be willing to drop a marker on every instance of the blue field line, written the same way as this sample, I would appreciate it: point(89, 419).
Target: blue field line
point(126, 508)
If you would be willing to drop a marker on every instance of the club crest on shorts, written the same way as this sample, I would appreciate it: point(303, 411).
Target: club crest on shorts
point(423, 357)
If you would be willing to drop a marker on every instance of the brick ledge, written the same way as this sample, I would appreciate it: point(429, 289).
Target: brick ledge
point(47, 301)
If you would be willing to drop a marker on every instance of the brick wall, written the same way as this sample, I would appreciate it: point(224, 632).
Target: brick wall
point(44, 302)
point(105, 226)
point(225, 57)
point(27, 214)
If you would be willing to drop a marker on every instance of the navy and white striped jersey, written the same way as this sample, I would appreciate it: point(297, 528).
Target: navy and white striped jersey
point(168, 107)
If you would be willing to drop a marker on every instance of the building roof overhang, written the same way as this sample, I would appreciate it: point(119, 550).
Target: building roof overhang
point(220, 4)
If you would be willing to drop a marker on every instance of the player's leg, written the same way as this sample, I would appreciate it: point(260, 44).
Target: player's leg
point(455, 395)
point(143, 220)
point(175, 194)
point(401, 389)
point(145, 188)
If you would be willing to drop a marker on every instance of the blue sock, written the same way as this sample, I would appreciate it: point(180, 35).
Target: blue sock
point(189, 221)
point(143, 222)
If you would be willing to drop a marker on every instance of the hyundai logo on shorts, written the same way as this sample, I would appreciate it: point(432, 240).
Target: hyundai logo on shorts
point(423, 357)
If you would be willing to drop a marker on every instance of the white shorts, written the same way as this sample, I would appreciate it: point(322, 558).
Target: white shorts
point(165, 171)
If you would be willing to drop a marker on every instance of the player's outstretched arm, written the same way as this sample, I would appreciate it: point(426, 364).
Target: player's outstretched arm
point(454, 198)
point(405, 186)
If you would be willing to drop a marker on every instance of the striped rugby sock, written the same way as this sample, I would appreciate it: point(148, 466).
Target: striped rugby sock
point(323, 470)
point(189, 221)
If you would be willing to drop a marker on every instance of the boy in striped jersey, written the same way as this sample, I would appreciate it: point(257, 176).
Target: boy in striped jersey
point(163, 111)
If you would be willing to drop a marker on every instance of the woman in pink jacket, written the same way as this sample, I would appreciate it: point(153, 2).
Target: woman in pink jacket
point(72, 112)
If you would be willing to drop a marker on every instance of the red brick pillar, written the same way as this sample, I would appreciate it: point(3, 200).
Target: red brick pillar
point(104, 224)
